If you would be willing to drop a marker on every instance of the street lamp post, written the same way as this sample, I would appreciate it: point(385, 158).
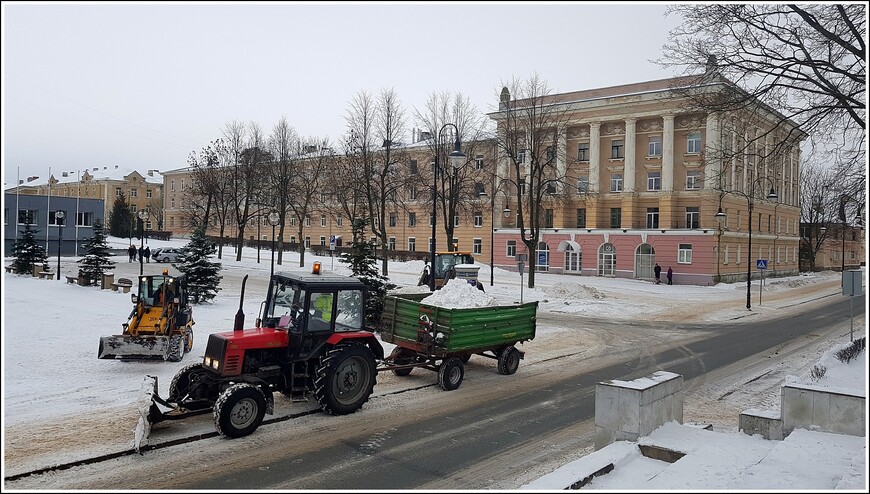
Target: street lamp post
point(273, 218)
point(456, 160)
point(750, 200)
point(143, 214)
point(506, 212)
point(59, 215)
point(720, 219)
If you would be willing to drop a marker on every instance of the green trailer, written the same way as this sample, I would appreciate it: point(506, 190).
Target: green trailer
point(443, 339)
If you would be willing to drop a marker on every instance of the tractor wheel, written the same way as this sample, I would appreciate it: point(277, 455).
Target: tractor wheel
point(184, 383)
point(508, 361)
point(345, 378)
point(400, 356)
point(450, 373)
point(188, 339)
point(239, 410)
point(176, 349)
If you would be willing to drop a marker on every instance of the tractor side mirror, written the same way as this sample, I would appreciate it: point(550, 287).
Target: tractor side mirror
point(134, 298)
point(257, 322)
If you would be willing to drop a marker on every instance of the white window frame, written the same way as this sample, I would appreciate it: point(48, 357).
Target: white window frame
point(684, 254)
point(412, 244)
point(323, 221)
point(655, 147)
point(581, 156)
point(583, 184)
point(693, 143)
point(615, 182)
point(621, 148)
point(694, 179)
point(654, 181)
point(478, 219)
point(476, 246)
point(511, 248)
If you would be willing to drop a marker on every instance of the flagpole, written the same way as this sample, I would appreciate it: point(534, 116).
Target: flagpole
point(17, 196)
point(78, 195)
point(48, 210)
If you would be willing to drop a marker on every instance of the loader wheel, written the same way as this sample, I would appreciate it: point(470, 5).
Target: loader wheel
point(188, 340)
point(508, 361)
point(186, 383)
point(345, 378)
point(176, 349)
point(239, 410)
point(450, 374)
point(400, 356)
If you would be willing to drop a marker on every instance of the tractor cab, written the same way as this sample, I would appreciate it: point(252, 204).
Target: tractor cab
point(444, 268)
point(161, 290)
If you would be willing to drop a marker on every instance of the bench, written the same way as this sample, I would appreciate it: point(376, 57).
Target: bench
point(10, 269)
point(46, 275)
point(122, 284)
point(72, 279)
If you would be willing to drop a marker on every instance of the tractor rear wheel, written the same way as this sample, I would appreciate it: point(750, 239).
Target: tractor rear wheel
point(176, 348)
point(400, 356)
point(450, 373)
point(345, 378)
point(508, 360)
point(239, 410)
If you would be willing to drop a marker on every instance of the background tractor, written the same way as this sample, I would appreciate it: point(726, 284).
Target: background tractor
point(160, 325)
point(445, 269)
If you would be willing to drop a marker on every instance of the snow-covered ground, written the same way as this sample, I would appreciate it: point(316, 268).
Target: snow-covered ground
point(51, 330)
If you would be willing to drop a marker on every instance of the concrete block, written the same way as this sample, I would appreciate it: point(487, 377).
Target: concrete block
point(847, 415)
point(765, 423)
point(628, 408)
point(603, 437)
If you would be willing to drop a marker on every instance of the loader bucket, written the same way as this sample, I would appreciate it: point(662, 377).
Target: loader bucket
point(144, 404)
point(133, 347)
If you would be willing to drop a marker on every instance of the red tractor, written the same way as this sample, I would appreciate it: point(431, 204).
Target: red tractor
point(309, 340)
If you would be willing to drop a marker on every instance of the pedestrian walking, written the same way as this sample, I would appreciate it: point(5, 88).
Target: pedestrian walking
point(141, 254)
point(658, 271)
point(132, 253)
point(147, 254)
point(670, 276)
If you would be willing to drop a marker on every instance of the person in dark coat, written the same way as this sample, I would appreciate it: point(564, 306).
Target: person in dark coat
point(141, 254)
point(670, 276)
point(658, 272)
point(132, 253)
point(147, 254)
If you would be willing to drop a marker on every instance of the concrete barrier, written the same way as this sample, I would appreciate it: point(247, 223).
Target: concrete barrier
point(838, 410)
point(627, 410)
point(766, 423)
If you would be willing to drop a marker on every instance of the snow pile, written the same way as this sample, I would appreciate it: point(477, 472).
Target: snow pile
point(459, 294)
point(573, 291)
point(409, 289)
point(832, 373)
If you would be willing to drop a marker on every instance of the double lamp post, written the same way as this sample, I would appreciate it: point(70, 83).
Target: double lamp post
point(506, 213)
point(456, 159)
point(750, 200)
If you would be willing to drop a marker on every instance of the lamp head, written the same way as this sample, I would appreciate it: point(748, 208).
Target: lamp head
point(274, 218)
point(59, 215)
point(720, 216)
point(506, 212)
point(143, 214)
point(772, 195)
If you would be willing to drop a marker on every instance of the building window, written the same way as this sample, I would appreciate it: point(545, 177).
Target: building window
point(693, 143)
point(478, 219)
point(551, 153)
point(476, 246)
point(693, 180)
point(654, 181)
point(551, 188)
point(118, 192)
point(478, 162)
point(521, 156)
point(308, 221)
point(615, 182)
point(134, 193)
point(338, 221)
point(413, 167)
point(684, 254)
point(171, 203)
point(293, 221)
point(522, 187)
point(307, 242)
point(412, 219)
point(581, 218)
point(511, 250)
point(652, 217)
point(26, 216)
point(615, 217)
point(393, 219)
point(616, 149)
point(323, 221)
point(182, 184)
point(322, 241)
point(172, 184)
point(412, 244)
point(583, 184)
point(85, 219)
point(548, 218)
point(655, 146)
point(412, 192)
point(456, 220)
point(693, 217)
point(391, 243)
point(583, 151)
point(148, 194)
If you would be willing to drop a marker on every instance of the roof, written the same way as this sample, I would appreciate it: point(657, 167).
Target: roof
point(98, 173)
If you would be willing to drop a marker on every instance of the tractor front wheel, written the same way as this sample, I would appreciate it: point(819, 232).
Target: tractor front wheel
point(239, 410)
point(187, 383)
point(345, 378)
point(176, 348)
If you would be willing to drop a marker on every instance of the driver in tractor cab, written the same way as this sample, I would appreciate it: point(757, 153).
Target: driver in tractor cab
point(321, 316)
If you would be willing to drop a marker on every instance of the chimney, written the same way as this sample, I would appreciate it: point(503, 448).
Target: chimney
point(32, 178)
point(504, 98)
point(65, 174)
point(424, 136)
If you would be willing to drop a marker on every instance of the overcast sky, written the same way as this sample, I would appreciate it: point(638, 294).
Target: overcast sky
point(144, 85)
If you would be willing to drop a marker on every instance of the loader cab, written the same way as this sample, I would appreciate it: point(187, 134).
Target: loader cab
point(163, 290)
point(445, 262)
point(311, 307)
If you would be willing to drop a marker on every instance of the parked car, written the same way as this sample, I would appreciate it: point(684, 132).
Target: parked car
point(166, 254)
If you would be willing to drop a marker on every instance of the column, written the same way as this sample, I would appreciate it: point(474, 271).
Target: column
point(630, 136)
point(733, 153)
point(594, 155)
point(668, 153)
point(501, 172)
point(745, 156)
point(713, 166)
point(561, 157)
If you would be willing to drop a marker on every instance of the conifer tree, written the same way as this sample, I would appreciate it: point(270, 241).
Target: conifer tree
point(202, 273)
point(120, 219)
point(27, 251)
point(96, 262)
point(362, 263)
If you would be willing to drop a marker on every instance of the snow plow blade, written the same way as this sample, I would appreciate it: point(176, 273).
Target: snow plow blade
point(133, 347)
point(144, 404)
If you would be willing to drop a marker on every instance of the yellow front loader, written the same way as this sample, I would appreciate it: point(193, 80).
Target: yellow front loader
point(160, 325)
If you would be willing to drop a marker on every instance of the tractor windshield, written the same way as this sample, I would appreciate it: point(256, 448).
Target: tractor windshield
point(286, 304)
point(151, 289)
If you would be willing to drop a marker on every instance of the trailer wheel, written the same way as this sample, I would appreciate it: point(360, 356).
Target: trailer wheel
point(450, 373)
point(185, 381)
point(345, 378)
point(465, 358)
point(508, 361)
point(400, 356)
point(176, 349)
point(239, 410)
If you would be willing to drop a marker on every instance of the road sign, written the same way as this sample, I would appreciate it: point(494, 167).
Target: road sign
point(761, 264)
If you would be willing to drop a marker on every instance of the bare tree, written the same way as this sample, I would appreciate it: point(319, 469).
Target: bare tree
point(528, 130)
point(818, 209)
point(806, 62)
point(457, 191)
point(247, 145)
point(209, 195)
point(317, 162)
point(284, 146)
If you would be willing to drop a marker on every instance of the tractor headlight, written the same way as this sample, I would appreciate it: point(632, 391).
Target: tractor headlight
point(207, 362)
point(214, 364)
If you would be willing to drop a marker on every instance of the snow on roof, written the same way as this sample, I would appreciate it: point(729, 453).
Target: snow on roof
point(98, 173)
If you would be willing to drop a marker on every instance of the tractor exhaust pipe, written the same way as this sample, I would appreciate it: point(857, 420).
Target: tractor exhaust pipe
point(240, 315)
